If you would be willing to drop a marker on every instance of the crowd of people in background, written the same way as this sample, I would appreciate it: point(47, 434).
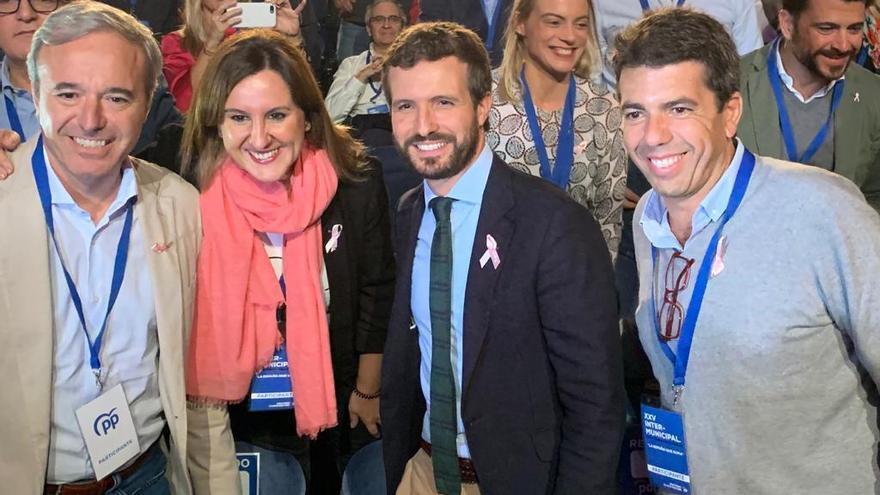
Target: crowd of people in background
point(482, 231)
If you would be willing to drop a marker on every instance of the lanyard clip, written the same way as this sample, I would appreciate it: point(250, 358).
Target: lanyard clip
point(676, 394)
point(97, 373)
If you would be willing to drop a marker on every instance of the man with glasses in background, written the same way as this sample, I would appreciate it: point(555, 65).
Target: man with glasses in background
point(356, 95)
point(19, 19)
point(758, 284)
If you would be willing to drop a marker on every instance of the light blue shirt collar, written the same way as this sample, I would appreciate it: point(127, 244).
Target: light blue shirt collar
point(788, 81)
point(655, 220)
point(470, 186)
point(5, 82)
point(60, 196)
point(6, 79)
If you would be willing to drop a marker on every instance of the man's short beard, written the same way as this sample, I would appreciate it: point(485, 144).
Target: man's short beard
point(462, 155)
point(808, 59)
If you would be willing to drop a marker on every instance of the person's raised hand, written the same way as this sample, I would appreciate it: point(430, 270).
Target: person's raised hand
point(9, 141)
point(225, 16)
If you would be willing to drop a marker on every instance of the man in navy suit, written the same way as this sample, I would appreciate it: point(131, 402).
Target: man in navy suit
point(508, 369)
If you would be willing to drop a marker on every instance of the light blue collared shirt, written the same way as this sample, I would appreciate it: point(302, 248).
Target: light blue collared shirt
point(23, 102)
point(468, 193)
point(655, 221)
point(490, 6)
point(130, 350)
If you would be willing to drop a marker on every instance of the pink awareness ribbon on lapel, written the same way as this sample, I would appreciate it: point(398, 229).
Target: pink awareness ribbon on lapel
point(333, 243)
point(718, 261)
point(491, 253)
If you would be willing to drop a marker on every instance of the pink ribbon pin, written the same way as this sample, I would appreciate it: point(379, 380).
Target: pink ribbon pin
point(159, 247)
point(333, 243)
point(491, 253)
point(718, 261)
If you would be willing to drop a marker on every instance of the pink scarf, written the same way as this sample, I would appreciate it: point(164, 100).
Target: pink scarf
point(235, 333)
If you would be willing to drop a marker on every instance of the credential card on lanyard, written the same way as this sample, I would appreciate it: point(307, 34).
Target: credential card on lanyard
point(108, 431)
point(271, 389)
point(665, 449)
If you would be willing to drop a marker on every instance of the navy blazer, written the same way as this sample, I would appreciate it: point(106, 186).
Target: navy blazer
point(469, 13)
point(542, 392)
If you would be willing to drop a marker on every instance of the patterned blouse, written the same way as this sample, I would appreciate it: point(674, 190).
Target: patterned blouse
point(872, 36)
point(598, 174)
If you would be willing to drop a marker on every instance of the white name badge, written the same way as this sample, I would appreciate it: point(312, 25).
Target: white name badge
point(108, 430)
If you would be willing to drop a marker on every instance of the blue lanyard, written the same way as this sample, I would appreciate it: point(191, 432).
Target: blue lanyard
point(38, 163)
point(784, 120)
point(376, 91)
point(561, 171)
point(680, 359)
point(491, 22)
point(646, 7)
point(12, 114)
point(133, 4)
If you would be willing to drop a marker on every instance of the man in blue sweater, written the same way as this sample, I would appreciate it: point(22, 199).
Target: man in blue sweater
point(759, 285)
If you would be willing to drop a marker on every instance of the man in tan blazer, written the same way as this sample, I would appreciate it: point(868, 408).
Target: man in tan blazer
point(64, 213)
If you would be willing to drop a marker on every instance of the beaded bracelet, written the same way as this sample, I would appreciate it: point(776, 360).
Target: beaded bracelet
point(364, 396)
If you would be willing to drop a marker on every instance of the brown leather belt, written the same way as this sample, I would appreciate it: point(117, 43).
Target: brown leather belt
point(98, 487)
point(465, 466)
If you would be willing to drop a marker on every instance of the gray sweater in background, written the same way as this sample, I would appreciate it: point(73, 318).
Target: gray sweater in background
point(780, 396)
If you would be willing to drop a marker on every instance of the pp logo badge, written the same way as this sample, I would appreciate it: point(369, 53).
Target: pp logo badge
point(106, 422)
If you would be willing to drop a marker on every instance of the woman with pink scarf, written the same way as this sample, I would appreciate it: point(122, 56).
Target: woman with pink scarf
point(295, 274)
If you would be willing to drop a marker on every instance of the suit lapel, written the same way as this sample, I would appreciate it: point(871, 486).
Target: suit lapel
point(334, 262)
point(762, 105)
point(849, 126)
point(412, 218)
point(481, 282)
point(156, 215)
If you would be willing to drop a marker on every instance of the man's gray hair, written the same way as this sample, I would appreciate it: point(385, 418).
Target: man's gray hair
point(78, 19)
point(373, 4)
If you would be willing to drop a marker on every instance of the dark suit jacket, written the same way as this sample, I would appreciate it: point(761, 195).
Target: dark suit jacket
point(542, 392)
point(161, 16)
point(469, 13)
point(856, 122)
point(360, 273)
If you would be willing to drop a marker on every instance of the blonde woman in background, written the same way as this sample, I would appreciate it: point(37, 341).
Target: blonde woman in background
point(549, 119)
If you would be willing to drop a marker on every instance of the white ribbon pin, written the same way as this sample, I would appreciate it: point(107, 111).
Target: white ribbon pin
point(333, 243)
point(491, 253)
point(856, 98)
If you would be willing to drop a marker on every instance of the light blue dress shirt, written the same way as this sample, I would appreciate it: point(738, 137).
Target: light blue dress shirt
point(490, 6)
point(23, 102)
point(655, 221)
point(130, 350)
point(468, 193)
